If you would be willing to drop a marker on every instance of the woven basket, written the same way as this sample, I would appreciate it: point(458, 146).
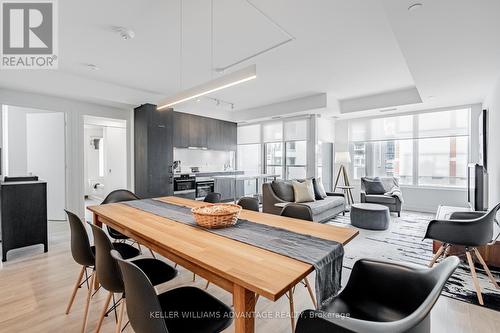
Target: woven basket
point(217, 215)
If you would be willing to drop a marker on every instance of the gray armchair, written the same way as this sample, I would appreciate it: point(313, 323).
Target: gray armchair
point(394, 203)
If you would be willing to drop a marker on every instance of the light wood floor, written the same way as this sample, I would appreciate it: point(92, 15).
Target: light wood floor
point(35, 288)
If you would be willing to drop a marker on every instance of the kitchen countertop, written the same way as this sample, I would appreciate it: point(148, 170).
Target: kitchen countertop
point(247, 177)
point(210, 173)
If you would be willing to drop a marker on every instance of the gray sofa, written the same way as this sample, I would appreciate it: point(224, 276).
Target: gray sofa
point(282, 192)
point(392, 202)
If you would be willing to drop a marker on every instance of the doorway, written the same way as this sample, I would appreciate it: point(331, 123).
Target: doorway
point(105, 157)
point(34, 145)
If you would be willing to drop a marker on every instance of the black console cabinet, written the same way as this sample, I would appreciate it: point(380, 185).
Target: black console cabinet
point(23, 215)
point(153, 149)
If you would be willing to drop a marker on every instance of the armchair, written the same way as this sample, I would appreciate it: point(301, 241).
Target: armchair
point(394, 203)
point(469, 229)
point(382, 297)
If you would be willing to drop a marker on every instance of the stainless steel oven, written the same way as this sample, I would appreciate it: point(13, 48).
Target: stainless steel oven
point(204, 185)
point(185, 186)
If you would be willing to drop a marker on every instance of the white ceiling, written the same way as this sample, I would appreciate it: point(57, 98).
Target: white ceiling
point(348, 49)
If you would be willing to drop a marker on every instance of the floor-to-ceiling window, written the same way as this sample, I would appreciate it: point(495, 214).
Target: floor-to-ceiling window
point(427, 149)
point(281, 144)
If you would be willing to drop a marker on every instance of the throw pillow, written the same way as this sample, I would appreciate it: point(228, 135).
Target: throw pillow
point(374, 186)
point(319, 189)
point(303, 192)
point(283, 190)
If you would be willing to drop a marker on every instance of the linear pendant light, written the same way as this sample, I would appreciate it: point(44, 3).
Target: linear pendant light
point(226, 81)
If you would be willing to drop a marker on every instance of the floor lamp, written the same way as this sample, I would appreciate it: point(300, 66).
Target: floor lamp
point(343, 158)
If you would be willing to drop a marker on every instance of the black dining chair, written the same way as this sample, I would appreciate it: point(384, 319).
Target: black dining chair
point(184, 309)
point(382, 297)
point(109, 274)
point(84, 254)
point(297, 211)
point(121, 196)
point(114, 197)
point(212, 197)
point(249, 203)
point(468, 229)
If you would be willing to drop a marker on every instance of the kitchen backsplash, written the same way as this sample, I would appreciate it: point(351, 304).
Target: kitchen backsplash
point(206, 160)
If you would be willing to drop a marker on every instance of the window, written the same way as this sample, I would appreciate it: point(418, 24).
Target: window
point(428, 149)
point(274, 158)
point(443, 161)
point(283, 145)
point(249, 158)
point(296, 159)
point(393, 158)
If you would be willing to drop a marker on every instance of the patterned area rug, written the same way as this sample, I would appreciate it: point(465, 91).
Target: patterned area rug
point(403, 242)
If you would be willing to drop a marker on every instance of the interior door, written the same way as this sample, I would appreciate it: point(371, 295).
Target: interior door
point(45, 141)
point(115, 147)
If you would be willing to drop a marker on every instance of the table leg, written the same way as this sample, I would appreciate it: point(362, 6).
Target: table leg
point(244, 309)
point(99, 224)
point(96, 220)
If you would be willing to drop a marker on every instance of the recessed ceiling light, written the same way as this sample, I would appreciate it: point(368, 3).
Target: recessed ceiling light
point(92, 67)
point(125, 33)
point(415, 7)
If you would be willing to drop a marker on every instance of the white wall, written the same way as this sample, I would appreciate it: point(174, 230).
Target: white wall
point(492, 104)
point(16, 122)
point(74, 110)
point(45, 151)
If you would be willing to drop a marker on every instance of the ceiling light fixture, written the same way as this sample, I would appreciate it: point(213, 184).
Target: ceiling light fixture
point(415, 6)
point(125, 33)
point(388, 110)
point(92, 67)
point(223, 82)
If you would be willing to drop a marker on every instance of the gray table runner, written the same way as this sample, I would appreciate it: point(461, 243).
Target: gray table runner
point(325, 255)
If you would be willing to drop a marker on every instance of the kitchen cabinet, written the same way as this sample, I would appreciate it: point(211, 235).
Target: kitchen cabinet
point(153, 148)
point(197, 131)
point(226, 187)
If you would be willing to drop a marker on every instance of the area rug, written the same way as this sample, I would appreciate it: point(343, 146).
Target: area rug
point(403, 242)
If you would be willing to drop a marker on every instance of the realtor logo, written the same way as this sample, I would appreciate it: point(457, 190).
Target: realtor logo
point(29, 34)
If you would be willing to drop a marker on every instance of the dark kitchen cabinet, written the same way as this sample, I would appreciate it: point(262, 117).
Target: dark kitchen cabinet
point(153, 146)
point(196, 131)
point(181, 129)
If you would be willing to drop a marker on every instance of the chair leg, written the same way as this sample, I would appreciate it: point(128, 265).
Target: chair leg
point(437, 255)
point(194, 277)
point(208, 283)
point(292, 310)
point(446, 250)
point(103, 312)
point(309, 289)
point(152, 253)
point(492, 278)
point(75, 289)
point(87, 305)
point(120, 317)
point(474, 277)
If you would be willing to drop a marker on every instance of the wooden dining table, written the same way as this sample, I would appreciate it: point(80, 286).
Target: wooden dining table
point(241, 269)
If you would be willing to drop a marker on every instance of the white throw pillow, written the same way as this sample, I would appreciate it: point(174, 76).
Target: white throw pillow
point(303, 192)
